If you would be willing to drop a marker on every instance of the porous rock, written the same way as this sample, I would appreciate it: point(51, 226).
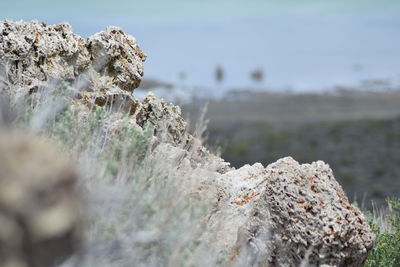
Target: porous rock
point(119, 54)
point(166, 118)
point(33, 52)
point(237, 190)
point(288, 213)
point(39, 206)
point(171, 128)
point(311, 214)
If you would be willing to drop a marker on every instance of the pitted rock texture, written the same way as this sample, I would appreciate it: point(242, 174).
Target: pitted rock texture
point(296, 213)
point(309, 211)
point(165, 117)
point(120, 54)
point(33, 52)
point(39, 206)
point(171, 128)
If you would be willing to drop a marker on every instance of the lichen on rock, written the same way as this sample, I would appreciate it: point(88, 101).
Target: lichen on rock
point(308, 217)
point(309, 211)
point(286, 214)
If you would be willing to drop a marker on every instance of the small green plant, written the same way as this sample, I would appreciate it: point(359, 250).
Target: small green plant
point(386, 251)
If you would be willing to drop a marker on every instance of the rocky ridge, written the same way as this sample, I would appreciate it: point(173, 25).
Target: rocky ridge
point(278, 215)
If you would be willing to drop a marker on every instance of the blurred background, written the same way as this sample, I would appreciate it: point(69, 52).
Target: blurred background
point(316, 80)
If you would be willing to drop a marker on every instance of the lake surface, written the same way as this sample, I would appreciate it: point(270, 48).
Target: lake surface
point(297, 51)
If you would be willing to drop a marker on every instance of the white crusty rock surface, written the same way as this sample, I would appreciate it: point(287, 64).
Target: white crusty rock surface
point(33, 52)
point(121, 55)
point(287, 213)
point(284, 214)
point(310, 212)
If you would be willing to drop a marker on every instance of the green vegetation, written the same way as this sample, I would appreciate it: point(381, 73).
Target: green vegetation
point(134, 209)
point(134, 203)
point(139, 206)
point(386, 252)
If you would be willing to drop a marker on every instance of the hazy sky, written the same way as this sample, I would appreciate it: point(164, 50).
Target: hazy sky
point(192, 7)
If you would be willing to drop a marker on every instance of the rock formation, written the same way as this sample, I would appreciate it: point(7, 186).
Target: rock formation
point(303, 213)
point(280, 215)
point(108, 64)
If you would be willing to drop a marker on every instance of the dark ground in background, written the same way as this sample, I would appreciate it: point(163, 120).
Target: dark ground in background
point(358, 134)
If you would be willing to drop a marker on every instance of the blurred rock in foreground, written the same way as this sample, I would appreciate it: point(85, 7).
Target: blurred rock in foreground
point(39, 209)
